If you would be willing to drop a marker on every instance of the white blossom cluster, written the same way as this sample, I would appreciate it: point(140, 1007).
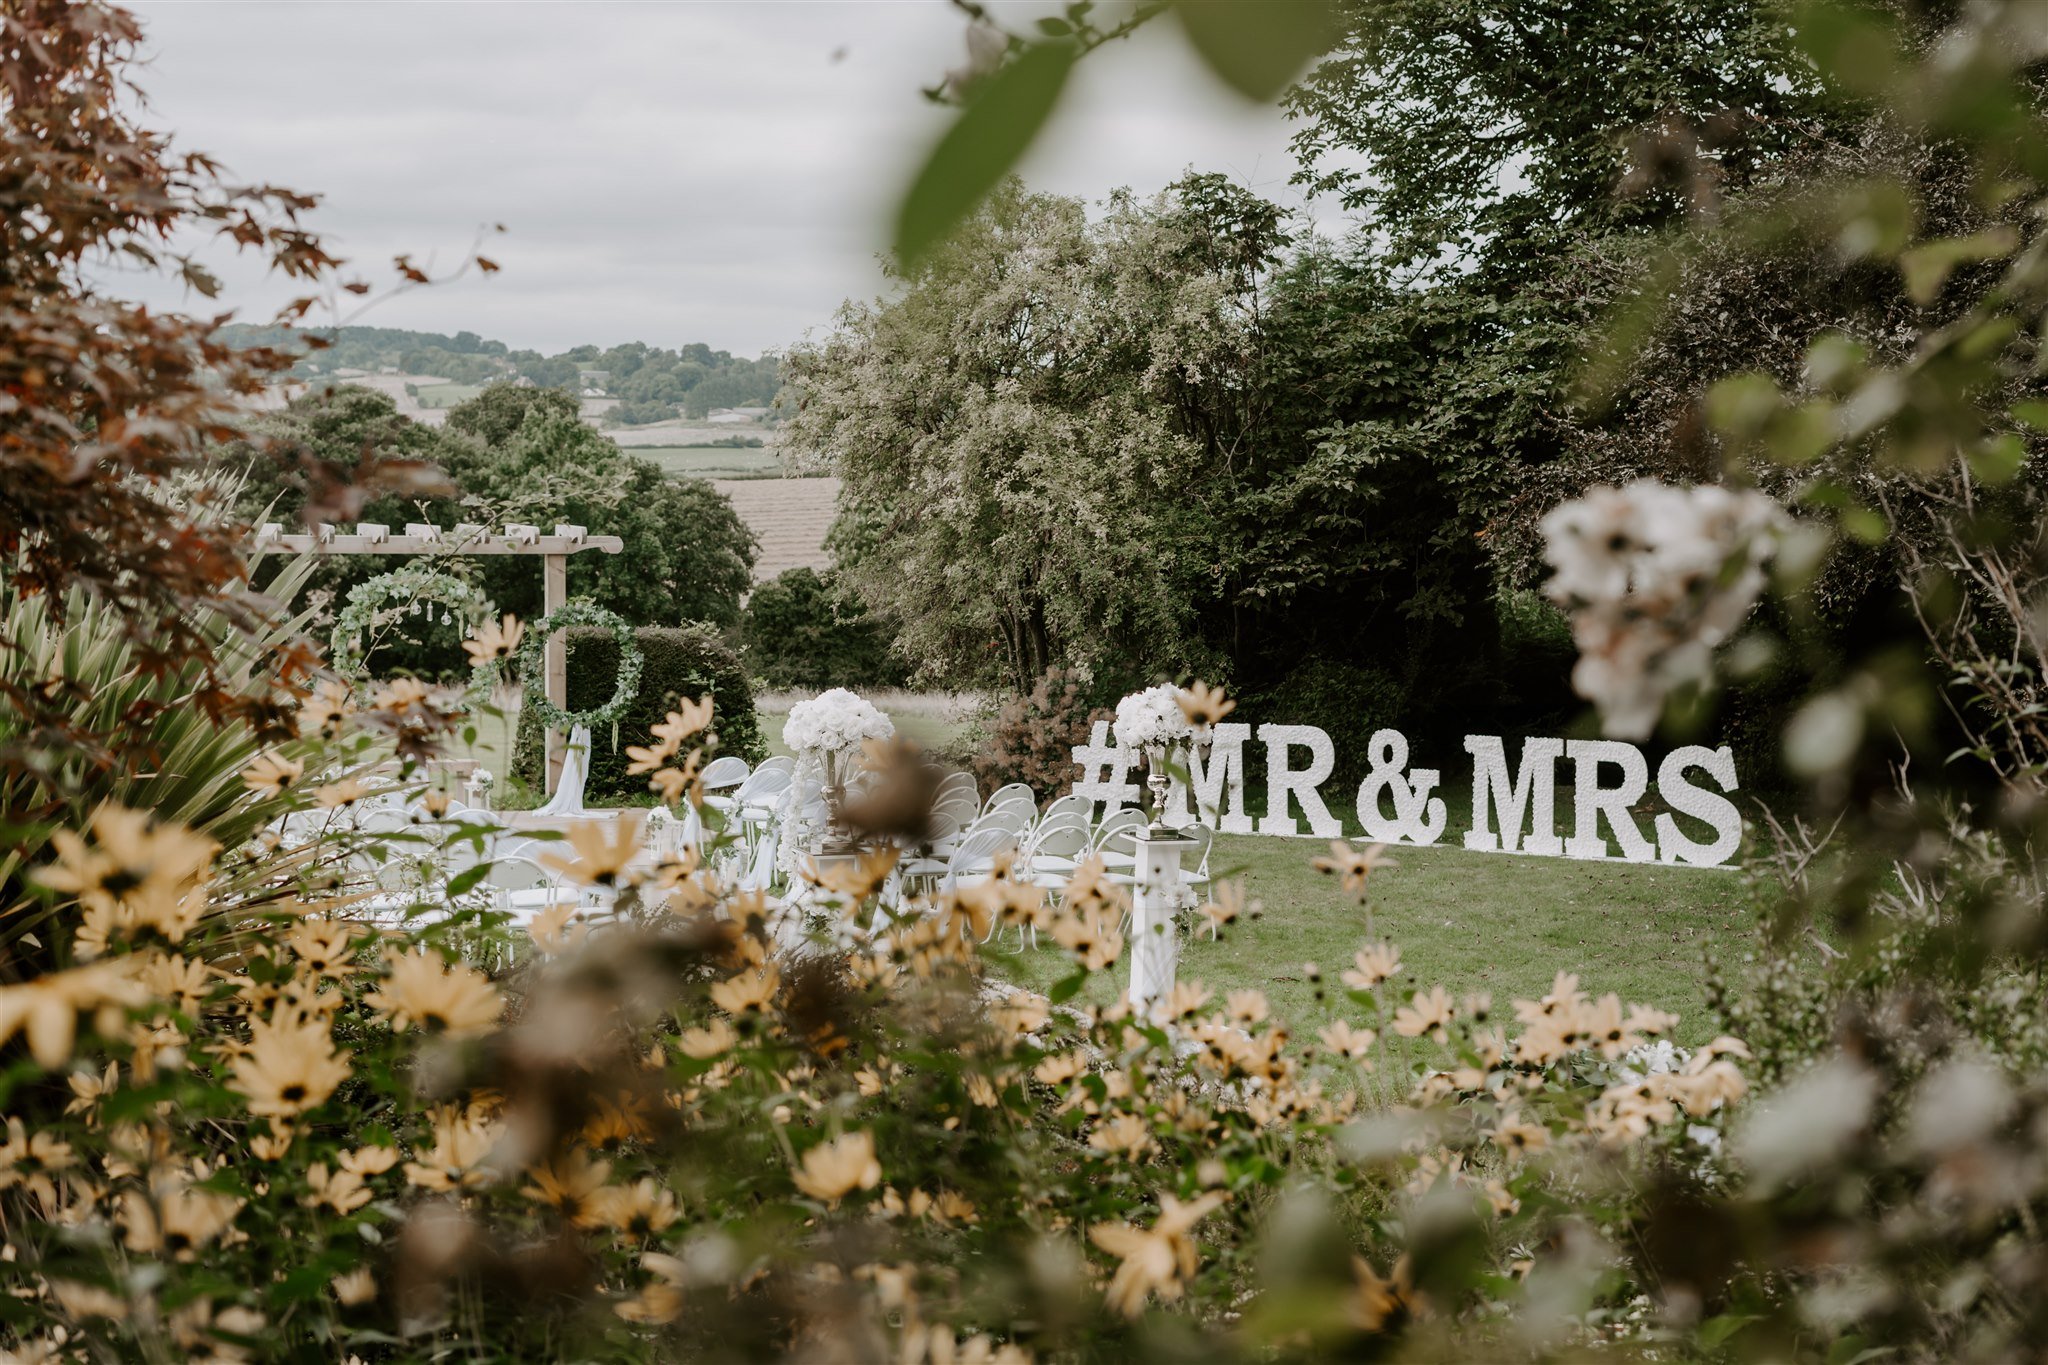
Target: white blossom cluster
point(1654, 577)
point(1150, 718)
point(834, 722)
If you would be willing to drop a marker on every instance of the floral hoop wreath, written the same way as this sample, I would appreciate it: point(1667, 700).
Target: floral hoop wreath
point(409, 590)
point(579, 611)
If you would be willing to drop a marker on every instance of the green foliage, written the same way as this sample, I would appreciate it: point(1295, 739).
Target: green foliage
point(1155, 444)
point(680, 663)
point(1013, 82)
point(521, 454)
point(1348, 700)
point(171, 758)
point(804, 630)
point(1032, 740)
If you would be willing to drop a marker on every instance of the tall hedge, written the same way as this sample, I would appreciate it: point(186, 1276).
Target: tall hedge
point(682, 661)
point(805, 630)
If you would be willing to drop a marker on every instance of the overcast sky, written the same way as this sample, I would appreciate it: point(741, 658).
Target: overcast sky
point(702, 170)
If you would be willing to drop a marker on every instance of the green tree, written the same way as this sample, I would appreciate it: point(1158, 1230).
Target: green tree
point(1003, 452)
point(688, 556)
point(805, 630)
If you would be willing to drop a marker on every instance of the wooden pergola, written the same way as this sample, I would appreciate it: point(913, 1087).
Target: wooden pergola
point(468, 538)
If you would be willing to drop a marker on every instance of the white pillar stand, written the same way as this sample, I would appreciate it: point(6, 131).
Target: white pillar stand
point(1155, 945)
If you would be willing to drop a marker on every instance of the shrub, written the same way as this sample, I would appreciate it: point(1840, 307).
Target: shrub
point(682, 661)
point(804, 630)
point(1348, 700)
point(1035, 734)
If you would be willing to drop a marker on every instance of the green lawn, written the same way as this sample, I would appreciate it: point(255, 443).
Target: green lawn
point(711, 462)
point(1467, 921)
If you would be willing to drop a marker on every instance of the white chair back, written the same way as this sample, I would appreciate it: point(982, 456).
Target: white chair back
point(1071, 804)
point(976, 855)
point(1012, 792)
point(517, 874)
point(763, 784)
point(781, 762)
point(1121, 842)
point(721, 773)
point(1066, 841)
point(1014, 818)
point(1127, 818)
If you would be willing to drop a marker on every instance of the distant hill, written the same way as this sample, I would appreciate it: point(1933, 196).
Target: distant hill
point(650, 384)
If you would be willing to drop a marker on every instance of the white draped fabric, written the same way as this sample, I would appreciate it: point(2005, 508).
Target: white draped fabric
point(568, 798)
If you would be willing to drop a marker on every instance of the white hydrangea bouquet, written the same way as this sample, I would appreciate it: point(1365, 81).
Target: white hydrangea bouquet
point(1153, 722)
point(836, 722)
point(827, 733)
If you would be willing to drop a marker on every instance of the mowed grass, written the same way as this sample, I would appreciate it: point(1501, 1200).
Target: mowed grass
point(1498, 923)
point(710, 462)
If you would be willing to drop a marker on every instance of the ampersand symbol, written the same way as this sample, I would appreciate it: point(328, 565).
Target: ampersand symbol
point(1418, 817)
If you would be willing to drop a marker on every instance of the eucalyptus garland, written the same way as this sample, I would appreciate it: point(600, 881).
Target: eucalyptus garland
point(412, 590)
point(580, 611)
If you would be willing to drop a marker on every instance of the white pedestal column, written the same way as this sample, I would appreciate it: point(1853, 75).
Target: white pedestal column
point(1155, 946)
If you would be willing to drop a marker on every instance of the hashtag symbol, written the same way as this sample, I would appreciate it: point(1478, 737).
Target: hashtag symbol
point(1104, 768)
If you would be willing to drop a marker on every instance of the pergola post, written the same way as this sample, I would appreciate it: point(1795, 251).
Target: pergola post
point(554, 587)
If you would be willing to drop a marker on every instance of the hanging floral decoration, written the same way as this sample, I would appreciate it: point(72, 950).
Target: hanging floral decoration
point(580, 611)
point(415, 590)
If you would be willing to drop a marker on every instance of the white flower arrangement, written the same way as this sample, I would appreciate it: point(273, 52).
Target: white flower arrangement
point(1151, 719)
point(1654, 577)
point(835, 722)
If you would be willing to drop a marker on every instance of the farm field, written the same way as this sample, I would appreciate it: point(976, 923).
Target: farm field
point(789, 517)
point(447, 395)
point(709, 462)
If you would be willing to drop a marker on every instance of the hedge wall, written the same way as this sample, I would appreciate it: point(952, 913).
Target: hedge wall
point(682, 661)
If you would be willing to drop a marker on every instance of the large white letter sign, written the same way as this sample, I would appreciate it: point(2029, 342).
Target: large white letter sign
point(1590, 800)
point(1418, 817)
point(1682, 796)
point(1280, 783)
point(1218, 782)
point(1535, 784)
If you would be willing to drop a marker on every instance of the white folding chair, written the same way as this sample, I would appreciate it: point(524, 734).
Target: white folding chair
point(1056, 848)
point(721, 773)
point(1116, 843)
point(976, 855)
point(523, 888)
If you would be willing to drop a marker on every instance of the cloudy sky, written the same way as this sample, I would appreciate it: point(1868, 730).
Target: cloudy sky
point(702, 170)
